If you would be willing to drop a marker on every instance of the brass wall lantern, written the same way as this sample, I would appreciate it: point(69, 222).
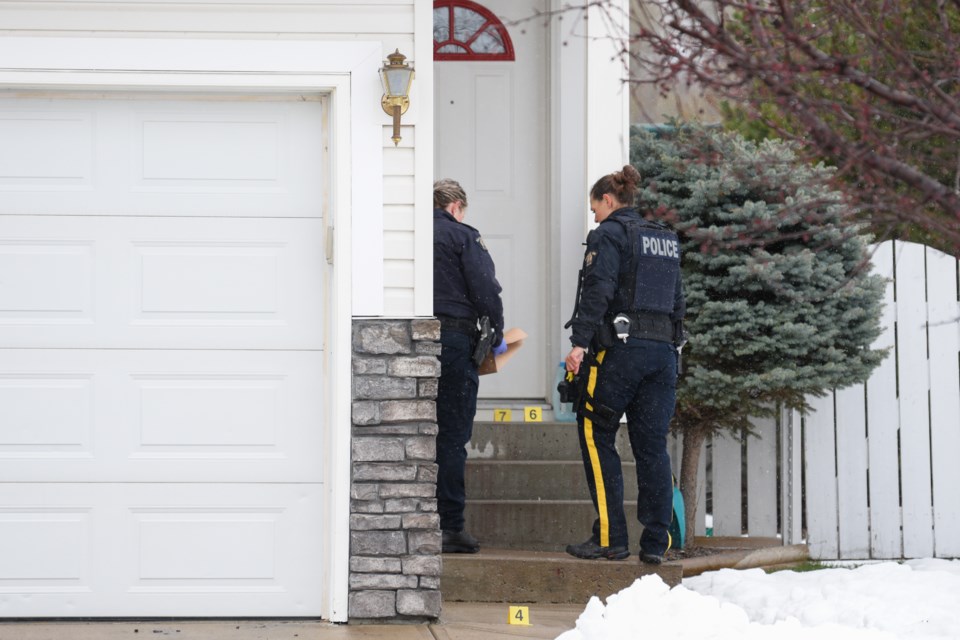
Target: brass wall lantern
point(397, 77)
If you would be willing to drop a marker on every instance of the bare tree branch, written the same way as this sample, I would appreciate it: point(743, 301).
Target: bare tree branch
point(873, 88)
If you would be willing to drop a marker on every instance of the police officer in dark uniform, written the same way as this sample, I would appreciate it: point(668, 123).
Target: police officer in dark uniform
point(626, 331)
point(465, 289)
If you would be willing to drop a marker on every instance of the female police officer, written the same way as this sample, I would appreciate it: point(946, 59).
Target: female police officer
point(465, 288)
point(628, 317)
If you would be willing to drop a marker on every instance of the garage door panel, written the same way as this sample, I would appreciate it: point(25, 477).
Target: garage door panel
point(201, 149)
point(190, 411)
point(46, 281)
point(177, 546)
point(149, 416)
point(52, 150)
point(189, 280)
point(45, 547)
point(166, 552)
point(46, 412)
point(207, 283)
point(175, 157)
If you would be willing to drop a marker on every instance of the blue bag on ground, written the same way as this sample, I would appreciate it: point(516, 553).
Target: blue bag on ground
point(678, 523)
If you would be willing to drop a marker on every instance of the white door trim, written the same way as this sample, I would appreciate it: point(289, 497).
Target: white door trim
point(348, 73)
point(589, 138)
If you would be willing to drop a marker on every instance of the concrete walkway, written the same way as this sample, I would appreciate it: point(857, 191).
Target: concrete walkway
point(458, 621)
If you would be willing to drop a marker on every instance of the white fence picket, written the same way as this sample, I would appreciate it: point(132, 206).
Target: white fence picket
point(821, 479)
point(913, 376)
point(700, 527)
point(791, 495)
point(854, 521)
point(872, 452)
point(727, 489)
point(944, 316)
point(883, 423)
point(762, 479)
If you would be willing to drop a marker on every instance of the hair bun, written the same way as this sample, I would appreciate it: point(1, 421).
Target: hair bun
point(622, 185)
point(631, 176)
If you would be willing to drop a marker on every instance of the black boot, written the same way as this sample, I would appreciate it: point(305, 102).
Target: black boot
point(459, 542)
point(590, 550)
point(655, 558)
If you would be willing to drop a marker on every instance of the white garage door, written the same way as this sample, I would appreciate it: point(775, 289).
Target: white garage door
point(161, 323)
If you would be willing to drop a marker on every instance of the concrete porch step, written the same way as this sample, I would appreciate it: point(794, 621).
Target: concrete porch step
point(533, 441)
point(536, 480)
point(512, 576)
point(539, 525)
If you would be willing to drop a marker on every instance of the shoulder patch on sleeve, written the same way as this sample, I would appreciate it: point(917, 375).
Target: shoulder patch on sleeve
point(480, 242)
point(588, 259)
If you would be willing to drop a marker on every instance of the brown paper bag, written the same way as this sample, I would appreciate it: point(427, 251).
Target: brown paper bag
point(514, 339)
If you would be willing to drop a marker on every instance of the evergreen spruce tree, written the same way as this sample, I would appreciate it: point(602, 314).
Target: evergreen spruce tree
point(781, 305)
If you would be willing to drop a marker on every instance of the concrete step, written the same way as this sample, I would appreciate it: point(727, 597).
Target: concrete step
point(526, 486)
point(536, 480)
point(533, 441)
point(538, 525)
point(518, 577)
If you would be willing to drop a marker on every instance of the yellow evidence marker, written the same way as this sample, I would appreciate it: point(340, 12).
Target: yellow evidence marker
point(532, 414)
point(502, 415)
point(519, 615)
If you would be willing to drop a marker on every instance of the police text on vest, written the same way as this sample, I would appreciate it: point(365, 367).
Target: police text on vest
point(660, 247)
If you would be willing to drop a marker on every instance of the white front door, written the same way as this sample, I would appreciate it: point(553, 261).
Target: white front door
point(491, 121)
point(161, 355)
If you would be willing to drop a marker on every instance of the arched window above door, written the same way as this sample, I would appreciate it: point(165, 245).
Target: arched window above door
point(465, 30)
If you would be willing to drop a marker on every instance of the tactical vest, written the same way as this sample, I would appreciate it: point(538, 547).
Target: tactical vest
point(649, 283)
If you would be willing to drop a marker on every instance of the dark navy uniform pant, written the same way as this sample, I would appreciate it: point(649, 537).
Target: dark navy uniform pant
point(637, 378)
point(456, 407)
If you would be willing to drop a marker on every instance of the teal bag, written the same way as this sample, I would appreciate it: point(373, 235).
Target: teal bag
point(678, 523)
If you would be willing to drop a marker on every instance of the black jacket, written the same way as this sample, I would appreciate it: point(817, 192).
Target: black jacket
point(605, 263)
point(464, 279)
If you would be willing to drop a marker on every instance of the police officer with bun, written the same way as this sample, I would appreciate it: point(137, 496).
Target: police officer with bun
point(627, 330)
point(465, 290)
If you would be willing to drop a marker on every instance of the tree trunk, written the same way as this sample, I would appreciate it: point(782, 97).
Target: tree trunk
point(693, 438)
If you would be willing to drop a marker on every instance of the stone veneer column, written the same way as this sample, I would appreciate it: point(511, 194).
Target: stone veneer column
point(394, 526)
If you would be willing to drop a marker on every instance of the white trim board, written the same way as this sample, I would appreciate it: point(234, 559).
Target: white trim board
point(423, 154)
point(348, 73)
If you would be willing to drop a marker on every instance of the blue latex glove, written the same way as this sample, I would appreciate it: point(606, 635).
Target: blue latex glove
point(500, 348)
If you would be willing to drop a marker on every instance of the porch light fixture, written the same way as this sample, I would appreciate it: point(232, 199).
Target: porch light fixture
point(397, 76)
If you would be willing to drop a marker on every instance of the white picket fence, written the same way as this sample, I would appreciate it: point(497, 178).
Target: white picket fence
point(873, 471)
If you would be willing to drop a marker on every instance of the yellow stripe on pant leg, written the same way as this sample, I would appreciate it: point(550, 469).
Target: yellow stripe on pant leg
point(597, 480)
point(595, 460)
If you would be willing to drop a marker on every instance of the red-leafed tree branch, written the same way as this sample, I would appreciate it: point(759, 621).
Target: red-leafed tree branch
point(871, 87)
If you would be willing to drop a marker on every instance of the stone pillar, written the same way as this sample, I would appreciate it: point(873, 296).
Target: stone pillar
point(395, 558)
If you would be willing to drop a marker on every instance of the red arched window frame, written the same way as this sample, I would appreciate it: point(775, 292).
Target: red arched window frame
point(492, 25)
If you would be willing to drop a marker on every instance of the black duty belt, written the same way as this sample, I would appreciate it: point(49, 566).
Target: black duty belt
point(462, 325)
point(651, 326)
